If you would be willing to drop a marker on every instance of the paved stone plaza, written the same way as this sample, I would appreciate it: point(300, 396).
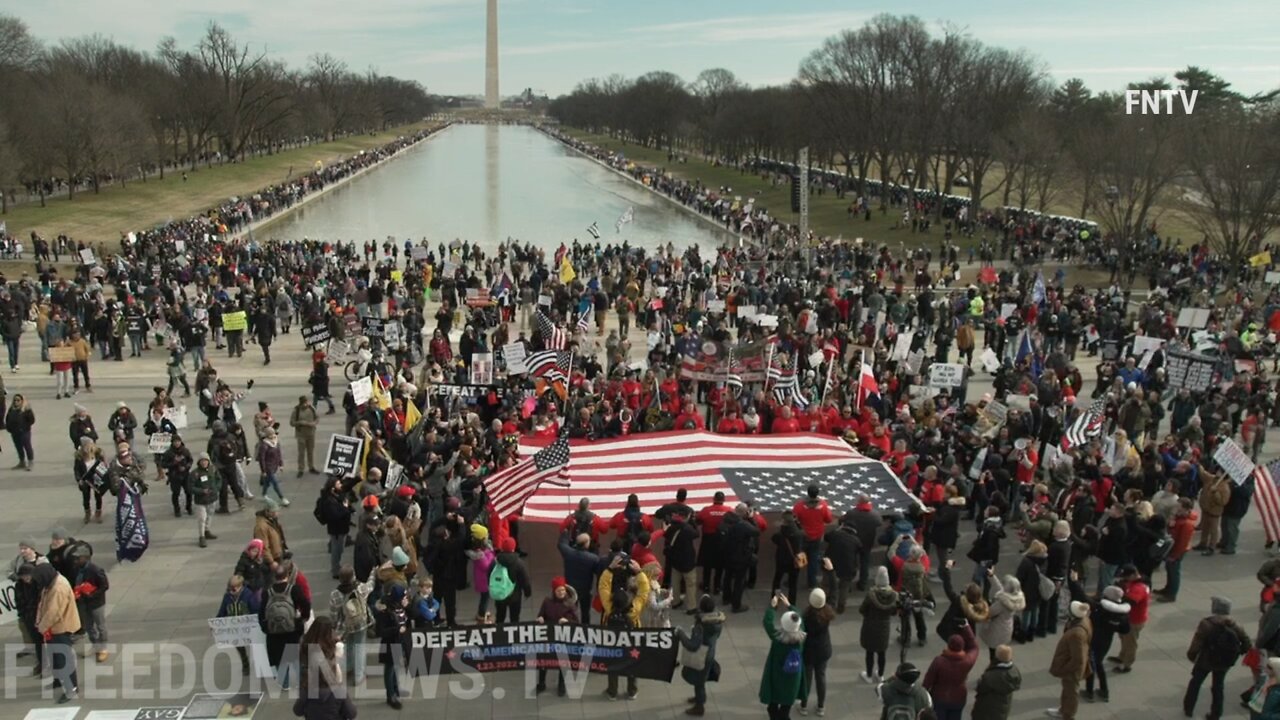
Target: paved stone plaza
point(169, 594)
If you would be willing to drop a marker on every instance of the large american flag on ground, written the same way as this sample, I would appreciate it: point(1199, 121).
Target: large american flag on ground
point(553, 337)
point(772, 471)
point(1087, 426)
point(509, 489)
point(1267, 496)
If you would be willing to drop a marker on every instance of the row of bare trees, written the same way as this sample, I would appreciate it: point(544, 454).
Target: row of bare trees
point(87, 110)
point(940, 111)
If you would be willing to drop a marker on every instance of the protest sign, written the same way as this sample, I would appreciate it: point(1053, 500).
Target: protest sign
point(1188, 370)
point(343, 457)
point(1019, 402)
point(715, 306)
point(746, 312)
point(914, 360)
point(316, 334)
point(395, 475)
point(946, 375)
point(8, 602)
point(397, 276)
point(980, 461)
point(481, 368)
point(991, 418)
point(159, 443)
point(1232, 459)
point(351, 325)
point(1110, 349)
point(337, 352)
point(237, 631)
point(767, 321)
point(132, 535)
point(990, 360)
point(513, 355)
point(393, 334)
point(902, 346)
point(177, 416)
point(180, 246)
point(1273, 278)
point(419, 253)
point(361, 390)
point(544, 300)
point(1193, 317)
point(211, 707)
point(917, 395)
point(135, 324)
point(816, 358)
point(648, 653)
point(234, 321)
point(1008, 309)
point(1143, 344)
point(468, 391)
point(371, 327)
point(63, 354)
point(87, 258)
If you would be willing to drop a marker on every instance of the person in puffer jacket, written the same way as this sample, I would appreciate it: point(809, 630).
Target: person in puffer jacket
point(1109, 617)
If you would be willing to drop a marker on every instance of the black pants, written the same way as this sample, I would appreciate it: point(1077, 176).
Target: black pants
point(735, 580)
point(78, 368)
point(448, 596)
point(186, 387)
point(779, 712)
point(1198, 674)
point(792, 576)
point(176, 488)
point(584, 605)
point(875, 663)
point(815, 674)
point(508, 610)
point(85, 492)
point(632, 686)
point(228, 481)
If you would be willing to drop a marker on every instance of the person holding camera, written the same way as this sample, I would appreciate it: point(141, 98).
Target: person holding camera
point(624, 590)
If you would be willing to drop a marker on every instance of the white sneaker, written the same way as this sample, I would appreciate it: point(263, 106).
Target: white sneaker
point(284, 502)
point(248, 495)
point(802, 710)
point(866, 678)
point(1053, 713)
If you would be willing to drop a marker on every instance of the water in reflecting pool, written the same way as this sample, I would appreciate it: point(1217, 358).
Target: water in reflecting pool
point(485, 183)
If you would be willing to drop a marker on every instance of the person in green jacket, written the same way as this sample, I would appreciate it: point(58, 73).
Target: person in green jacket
point(782, 682)
point(993, 698)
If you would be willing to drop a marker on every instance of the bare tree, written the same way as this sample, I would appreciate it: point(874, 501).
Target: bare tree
point(10, 165)
point(18, 50)
point(334, 86)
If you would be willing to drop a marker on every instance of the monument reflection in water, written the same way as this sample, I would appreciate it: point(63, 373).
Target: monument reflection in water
point(485, 183)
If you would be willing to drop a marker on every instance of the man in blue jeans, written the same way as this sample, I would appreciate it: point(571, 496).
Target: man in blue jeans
point(1181, 532)
point(813, 516)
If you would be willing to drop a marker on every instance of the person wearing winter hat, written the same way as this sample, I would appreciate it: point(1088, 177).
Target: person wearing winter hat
point(204, 483)
point(698, 652)
point(878, 610)
point(1109, 617)
point(508, 609)
point(947, 674)
point(817, 649)
point(783, 681)
point(560, 607)
point(902, 694)
point(1071, 660)
point(267, 528)
point(1217, 644)
point(270, 461)
point(1263, 700)
point(993, 696)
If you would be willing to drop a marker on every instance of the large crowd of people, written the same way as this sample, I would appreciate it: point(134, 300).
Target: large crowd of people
point(1030, 527)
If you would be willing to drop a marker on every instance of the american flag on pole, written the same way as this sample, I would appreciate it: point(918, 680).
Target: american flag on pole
point(1087, 426)
point(771, 471)
point(509, 489)
point(553, 336)
point(1267, 496)
point(551, 365)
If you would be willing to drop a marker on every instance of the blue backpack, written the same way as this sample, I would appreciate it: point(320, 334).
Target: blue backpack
point(793, 662)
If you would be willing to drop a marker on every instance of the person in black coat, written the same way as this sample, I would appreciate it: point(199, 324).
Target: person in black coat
point(788, 542)
point(264, 327)
point(581, 567)
point(681, 557)
point(1057, 569)
point(740, 539)
point(368, 552)
point(866, 522)
point(944, 530)
point(1113, 549)
point(442, 561)
point(391, 618)
point(844, 550)
point(333, 508)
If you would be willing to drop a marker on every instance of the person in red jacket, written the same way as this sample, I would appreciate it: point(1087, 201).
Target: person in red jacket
point(813, 516)
point(1138, 595)
point(785, 422)
point(1181, 532)
point(631, 521)
point(731, 424)
point(949, 672)
point(708, 519)
point(690, 419)
point(584, 521)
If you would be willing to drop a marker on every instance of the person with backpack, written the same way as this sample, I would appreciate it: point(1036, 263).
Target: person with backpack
point(560, 607)
point(698, 664)
point(285, 609)
point(624, 589)
point(843, 549)
point(739, 540)
point(583, 520)
point(352, 617)
point(783, 681)
point(482, 557)
point(509, 582)
point(333, 511)
point(1215, 647)
point(630, 522)
point(901, 696)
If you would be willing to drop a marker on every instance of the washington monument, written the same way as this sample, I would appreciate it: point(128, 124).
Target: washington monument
point(491, 98)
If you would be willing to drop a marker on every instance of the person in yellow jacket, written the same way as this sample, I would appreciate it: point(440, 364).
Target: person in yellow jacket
point(623, 592)
point(977, 306)
point(57, 620)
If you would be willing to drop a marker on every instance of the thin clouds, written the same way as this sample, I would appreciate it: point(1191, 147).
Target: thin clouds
point(748, 28)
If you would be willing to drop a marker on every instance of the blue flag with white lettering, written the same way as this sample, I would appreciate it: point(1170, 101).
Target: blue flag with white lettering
point(132, 535)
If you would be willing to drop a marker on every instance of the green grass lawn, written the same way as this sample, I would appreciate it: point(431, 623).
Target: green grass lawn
point(827, 213)
point(102, 217)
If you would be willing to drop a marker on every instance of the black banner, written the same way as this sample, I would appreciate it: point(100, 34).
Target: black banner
point(97, 476)
point(469, 391)
point(371, 327)
point(343, 458)
point(1189, 370)
point(648, 653)
point(134, 324)
point(132, 535)
point(317, 334)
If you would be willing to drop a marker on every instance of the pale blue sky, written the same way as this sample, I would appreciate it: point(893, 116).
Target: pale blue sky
point(550, 45)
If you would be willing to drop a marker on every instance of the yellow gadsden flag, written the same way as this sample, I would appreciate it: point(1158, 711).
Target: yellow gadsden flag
point(1262, 258)
point(567, 273)
point(380, 396)
point(411, 415)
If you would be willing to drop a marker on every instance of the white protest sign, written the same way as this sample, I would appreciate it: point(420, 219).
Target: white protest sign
point(482, 369)
point(87, 258)
point(392, 334)
point(914, 361)
point(237, 631)
point(1193, 317)
point(1008, 309)
point(177, 416)
point(902, 346)
point(337, 352)
point(990, 361)
point(362, 390)
point(1143, 344)
point(1231, 458)
point(746, 312)
point(180, 246)
point(8, 602)
point(513, 354)
point(159, 442)
point(979, 462)
point(767, 321)
point(417, 252)
point(1273, 278)
point(715, 306)
point(816, 358)
point(544, 300)
point(1019, 402)
point(944, 375)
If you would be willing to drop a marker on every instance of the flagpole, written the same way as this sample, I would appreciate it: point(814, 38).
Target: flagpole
point(862, 364)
